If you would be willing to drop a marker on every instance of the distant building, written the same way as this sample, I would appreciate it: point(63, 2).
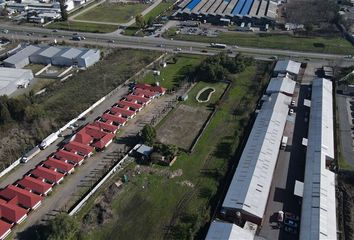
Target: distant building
point(11, 79)
point(55, 55)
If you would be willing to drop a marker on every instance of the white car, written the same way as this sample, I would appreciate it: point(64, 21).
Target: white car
point(292, 102)
point(178, 49)
point(291, 111)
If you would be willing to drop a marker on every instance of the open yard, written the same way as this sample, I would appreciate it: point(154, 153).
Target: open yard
point(83, 27)
point(113, 12)
point(182, 126)
point(153, 205)
point(277, 41)
point(174, 72)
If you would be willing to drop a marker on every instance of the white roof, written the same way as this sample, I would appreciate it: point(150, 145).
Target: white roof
point(251, 182)
point(318, 217)
point(281, 84)
point(11, 77)
point(287, 66)
point(20, 55)
point(71, 53)
point(49, 52)
point(88, 53)
point(228, 231)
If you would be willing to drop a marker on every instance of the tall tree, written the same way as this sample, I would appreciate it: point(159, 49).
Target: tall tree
point(5, 115)
point(140, 21)
point(148, 134)
point(62, 227)
point(63, 11)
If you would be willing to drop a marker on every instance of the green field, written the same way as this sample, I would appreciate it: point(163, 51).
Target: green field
point(152, 205)
point(83, 27)
point(174, 72)
point(159, 9)
point(113, 12)
point(277, 41)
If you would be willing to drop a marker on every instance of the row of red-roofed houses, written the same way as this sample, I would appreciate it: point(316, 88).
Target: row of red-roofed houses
point(17, 200)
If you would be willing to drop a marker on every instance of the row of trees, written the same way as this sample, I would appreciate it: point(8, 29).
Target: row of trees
point(18, 109)
point(219, 67)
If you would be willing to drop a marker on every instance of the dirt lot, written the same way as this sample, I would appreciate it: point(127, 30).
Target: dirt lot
point(182, 126)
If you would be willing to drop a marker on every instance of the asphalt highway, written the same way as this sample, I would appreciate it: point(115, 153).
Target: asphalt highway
point(20, 32)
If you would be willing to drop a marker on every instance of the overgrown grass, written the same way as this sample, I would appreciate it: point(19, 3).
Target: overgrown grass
point(277, 41)
point(174, 72)
point(83, 27)
point(113, 12)
point(64, 100)
point(151, 203)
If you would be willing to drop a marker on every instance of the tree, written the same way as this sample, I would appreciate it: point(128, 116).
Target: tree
point(63, 11)
point(5, 115)
point(140, 21)
point(17, 108)
point(148, 134)
point(150, 21)
point(62, 227)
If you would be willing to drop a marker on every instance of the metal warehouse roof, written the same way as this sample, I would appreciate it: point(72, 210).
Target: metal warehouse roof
point(228, 231)
point(281, 84)
point(251, 182)
point(318, 217)
point(50, 52)
point(71, 53)
point(88, 53)
point(287, 66)
point(24, 53)
point(13, 74)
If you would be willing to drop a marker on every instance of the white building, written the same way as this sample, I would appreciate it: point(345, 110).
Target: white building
point(228, 231)
point(249, 189)
point(281, 84)
point(11, 79)
point(88, 58)
point(318, 215)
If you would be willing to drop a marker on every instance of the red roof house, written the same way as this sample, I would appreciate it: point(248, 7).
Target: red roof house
point(131, 105)
point(79, 148)
point(35, 185)
point(47, 174)
point(21, 197)
point(83, 137)
point(137, 99)
point(104, 142)
point(69, 157)
point(145, 86)
point(145, 93)
point(122, 112)
point(11, 212)
point(104, 126)
point(59, 166)
point(5, 229)
point(119, 120)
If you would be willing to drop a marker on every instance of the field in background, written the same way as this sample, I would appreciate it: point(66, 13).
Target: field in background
point(113, 12)
point(277, 41)
point(83, 27)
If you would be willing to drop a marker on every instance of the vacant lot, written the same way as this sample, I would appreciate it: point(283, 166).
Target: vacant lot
point(277, 41)
point(113, 12)
point(182, 126)
point(83, 27)
point(155, 206)
point(171, 75)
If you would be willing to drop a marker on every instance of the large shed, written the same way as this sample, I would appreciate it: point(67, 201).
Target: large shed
point(45, 56)
point(67, 58)
point(281, 84)
point(21, 58)
point(88, 58)
point(287, 66)
point(249, 189)
point(11, 79)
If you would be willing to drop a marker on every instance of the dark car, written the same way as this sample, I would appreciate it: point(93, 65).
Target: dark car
point(290, 230)
point(291, 216)
point(290, 223)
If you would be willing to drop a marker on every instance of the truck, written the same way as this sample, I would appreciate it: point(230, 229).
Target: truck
point(30, 154)
point(48, 140)
point(217, 45)
point(284, 142)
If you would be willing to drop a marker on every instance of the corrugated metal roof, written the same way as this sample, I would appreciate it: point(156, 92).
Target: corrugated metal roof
point(318, 217)
point(71, 53)
point(287, 66)
point(251, 182)
point(49, 52)
point(24, 53)
point(281, 84)
point(228, 231)
point(88, 53)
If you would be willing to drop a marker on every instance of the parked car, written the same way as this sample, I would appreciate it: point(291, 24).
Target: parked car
point(5, 31)
point(291, 111)
point(178, 49)
point(290, 223)
point(290, 230)
point(292, 102)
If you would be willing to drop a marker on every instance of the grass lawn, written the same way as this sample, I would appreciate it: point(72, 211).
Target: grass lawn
point(173, 73)
point(113, 12)
point(83, 27)
point(277, 41)
point(219, 89)
point(150, 203)
point(159, 9)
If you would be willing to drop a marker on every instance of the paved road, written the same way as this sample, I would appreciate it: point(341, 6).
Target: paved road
point(19, 32)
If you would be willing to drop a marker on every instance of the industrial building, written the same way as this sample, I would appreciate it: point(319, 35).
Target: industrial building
point(249, 189)
point(11, 79)
point(281, 84)
point(229, 231)
point(252, 11)
point(318, 214)
point(54, 55)
point(287, 67)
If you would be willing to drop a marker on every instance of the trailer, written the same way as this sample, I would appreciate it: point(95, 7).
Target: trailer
point(218, 45)
point(284, 142)
point(48, 140)
point(30, 154)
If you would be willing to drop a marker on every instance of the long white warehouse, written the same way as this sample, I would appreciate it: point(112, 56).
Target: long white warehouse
point(250, 186)
point(318, 216)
